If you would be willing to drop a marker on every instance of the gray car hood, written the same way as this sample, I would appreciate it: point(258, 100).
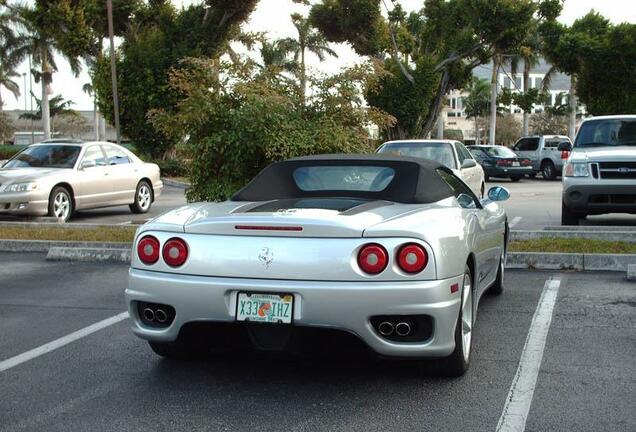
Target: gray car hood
point(603, 154)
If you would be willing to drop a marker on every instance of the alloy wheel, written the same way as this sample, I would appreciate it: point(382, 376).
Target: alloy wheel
point(144, 197)
point(61, 206)
point(467, 316)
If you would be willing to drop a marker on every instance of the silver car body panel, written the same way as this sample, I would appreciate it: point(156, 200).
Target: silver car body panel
point(99, 186)
point(318, 265)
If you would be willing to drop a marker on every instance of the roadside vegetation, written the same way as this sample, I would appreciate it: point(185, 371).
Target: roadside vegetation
point(573, 245)
point(124, 234)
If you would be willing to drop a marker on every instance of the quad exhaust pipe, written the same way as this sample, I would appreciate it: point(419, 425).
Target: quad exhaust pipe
point(161, 316)
point(385, 328)
point(155, 313)
point(401, 329)
point(149, 314)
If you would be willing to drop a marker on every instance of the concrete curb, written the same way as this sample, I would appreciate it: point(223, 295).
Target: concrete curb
point(590, 228)
point(631, 272)
point(116, 255)
point(623, 236)
point(175, 183)
point(571, 261)
point(45, 245)
point(55, 224)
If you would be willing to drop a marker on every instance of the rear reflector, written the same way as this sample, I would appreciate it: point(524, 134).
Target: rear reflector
point(148, 250)
point(268, 228)
point(454, 288)
point(412, 258)
point(175, 252)
point(373, 258)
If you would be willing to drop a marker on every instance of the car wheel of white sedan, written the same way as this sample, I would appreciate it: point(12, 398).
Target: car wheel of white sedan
point(61, 204)
point(457, 363)
point(143, 198)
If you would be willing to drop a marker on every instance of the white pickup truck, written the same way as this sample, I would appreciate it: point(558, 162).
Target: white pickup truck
point(542, 150)
point(600, 175)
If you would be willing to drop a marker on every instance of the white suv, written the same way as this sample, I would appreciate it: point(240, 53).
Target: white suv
point(600, 174)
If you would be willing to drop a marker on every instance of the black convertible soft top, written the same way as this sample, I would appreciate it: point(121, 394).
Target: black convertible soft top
point(416, 180)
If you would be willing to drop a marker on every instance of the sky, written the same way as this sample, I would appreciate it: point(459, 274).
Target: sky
point(272, 16)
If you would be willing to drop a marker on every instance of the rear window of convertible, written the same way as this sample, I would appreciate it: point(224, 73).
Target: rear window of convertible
point(343, 178)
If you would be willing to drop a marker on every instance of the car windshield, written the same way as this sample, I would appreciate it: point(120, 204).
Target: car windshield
point(607, 132)
point(343, 178)
point(500, 151)
point(440, 152)
point(45, 156)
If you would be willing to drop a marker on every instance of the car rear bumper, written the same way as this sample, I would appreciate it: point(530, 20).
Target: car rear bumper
point(508, 171)
point(599, 198)
point(346, 306)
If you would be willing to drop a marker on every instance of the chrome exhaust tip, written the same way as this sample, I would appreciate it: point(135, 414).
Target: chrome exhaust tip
point(385, 328)
point(149, 314)
point(403, 329)
point(161, 316)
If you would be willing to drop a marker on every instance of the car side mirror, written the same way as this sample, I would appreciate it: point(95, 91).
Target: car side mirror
point(565, 146)
point(466, 201)
point(498, 193)
point(469, 163)
point(88, 164)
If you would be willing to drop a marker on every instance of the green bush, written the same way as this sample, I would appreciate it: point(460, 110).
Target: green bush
point(8, 151)
point(172, 167)
point(251, 119)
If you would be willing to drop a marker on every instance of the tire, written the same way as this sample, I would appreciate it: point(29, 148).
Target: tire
point(568, 217)
point(548, 170)
point(176, 350)
point(143, 198)
point(61, 203)
point(487, 177)
point(497, 287)
point(483, 189)
point(457, 363)
point(515, 179)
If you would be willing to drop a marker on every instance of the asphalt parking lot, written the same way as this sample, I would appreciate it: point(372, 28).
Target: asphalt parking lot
point(536, 203)
point(110, 380)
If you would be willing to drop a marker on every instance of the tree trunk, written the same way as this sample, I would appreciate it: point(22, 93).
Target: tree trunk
point(526, 84)
point(45, 80)
point(493, 100)
point(95, 119)
point(476, 131)
point(572, 109)
point(303, 77)
point(440, 125)
point(425, 130)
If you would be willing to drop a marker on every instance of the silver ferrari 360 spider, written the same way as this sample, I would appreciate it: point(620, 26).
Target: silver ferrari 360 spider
point(392, 252)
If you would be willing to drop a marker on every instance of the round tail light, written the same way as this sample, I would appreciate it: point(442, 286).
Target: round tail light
point(175, 252)
point(148, 250)
point(372, 258)
point(412, 258)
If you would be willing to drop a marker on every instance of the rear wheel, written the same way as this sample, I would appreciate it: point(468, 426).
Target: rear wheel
point(457, 363)
point(568, 217)
point(143, 198)
point(61, 203)
point(548, 170)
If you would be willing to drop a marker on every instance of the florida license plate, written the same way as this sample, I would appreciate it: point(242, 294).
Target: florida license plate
point(264, 308)
point(515, 164)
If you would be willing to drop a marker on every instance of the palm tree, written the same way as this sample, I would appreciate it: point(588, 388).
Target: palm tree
point(57, 107)
point(275, 56)
point(43, 46)
point(8, 65)
point(477, 102)
point(309, 39)
point(89, 90)
point(12, 52)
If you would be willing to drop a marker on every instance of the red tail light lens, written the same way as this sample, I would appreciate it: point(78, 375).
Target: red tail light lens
point(504, 162)
point(175, 252)
point(412, 258)
point(565, 155)
point(373, 258)
point(148, 250)
point(526, 162)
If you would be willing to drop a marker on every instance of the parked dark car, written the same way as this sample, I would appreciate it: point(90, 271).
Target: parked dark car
point(500, 161)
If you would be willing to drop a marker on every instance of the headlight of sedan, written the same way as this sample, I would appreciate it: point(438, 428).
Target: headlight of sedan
point(21, 187)
point(576, 170)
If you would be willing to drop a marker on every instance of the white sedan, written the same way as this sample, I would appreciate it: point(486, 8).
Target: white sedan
point(450, 153)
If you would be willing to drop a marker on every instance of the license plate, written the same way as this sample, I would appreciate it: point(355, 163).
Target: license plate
point(515, 164)
point(264, 308)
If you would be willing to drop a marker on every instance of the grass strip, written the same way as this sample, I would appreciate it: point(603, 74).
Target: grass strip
point(573, 245)
point(124, 234)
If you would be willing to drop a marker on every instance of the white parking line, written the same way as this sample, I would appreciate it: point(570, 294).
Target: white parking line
point(514, 221)
point(58, 343)
point(515, 412)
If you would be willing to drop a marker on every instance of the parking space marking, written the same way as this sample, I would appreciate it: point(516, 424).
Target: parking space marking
point(514, 221)
point(515, 412)
point(58, 343)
